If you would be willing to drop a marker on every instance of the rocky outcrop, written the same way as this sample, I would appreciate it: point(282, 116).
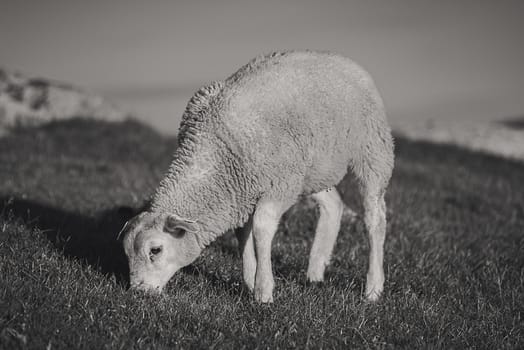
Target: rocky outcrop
point(28, 101)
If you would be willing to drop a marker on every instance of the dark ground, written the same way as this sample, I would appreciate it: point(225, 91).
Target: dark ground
point(454, 255)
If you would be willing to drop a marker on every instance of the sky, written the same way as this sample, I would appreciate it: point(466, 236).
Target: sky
point(430, 59)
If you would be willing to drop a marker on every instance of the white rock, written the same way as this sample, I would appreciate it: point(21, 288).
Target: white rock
point(28, 101)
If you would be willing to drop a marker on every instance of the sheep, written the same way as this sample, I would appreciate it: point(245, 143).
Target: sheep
point(286, 125)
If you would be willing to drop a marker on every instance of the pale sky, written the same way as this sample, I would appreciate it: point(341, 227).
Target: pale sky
point(448, 59)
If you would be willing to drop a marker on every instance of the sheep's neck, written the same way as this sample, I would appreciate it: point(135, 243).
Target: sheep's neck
point(197, 192)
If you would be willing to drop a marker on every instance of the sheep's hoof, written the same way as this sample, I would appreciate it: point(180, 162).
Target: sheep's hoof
point(373, 292)
point(315, 276)
point(373, 296)
point(374, 286)
point(263, 297)
point(250, 286)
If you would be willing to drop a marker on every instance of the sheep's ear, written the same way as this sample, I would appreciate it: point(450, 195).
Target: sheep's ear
point(177, 225)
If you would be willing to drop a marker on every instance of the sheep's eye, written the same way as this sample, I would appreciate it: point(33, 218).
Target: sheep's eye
point(154, 251)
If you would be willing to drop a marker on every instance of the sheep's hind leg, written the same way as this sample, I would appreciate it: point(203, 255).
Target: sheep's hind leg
point(265, 224)
point(375, 221)
point(247, 250)
point(331, 208)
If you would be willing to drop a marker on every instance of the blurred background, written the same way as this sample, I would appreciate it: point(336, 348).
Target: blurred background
point(434, 61)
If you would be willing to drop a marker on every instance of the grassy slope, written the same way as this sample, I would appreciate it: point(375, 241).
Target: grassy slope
point(454, 261)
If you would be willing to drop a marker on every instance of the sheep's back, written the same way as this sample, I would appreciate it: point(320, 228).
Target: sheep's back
point(304, 116)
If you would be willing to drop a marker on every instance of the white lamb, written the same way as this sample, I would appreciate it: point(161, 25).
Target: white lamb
point(285, 125)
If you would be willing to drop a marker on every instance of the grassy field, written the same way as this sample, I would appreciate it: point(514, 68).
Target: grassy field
point(454, 255)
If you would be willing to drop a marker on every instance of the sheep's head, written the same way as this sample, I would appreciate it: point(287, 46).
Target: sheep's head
point(157, 246)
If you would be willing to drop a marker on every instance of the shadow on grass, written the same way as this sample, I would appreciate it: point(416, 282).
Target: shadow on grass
point(91, 240)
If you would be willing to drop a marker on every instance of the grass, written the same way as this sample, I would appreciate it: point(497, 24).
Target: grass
point(454, 255)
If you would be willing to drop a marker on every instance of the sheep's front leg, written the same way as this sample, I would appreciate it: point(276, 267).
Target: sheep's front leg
point(247, 250)
point(265, 223)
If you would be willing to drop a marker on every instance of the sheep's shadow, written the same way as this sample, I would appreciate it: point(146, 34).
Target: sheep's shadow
point(91, 240)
